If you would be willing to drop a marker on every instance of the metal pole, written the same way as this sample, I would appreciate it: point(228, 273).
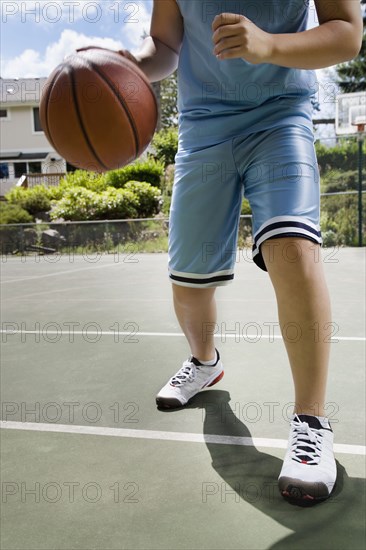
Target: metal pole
point(360, 167)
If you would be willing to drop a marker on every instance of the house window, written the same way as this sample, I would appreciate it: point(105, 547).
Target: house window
point(36, 120)
point(4, 170)
point(34, 168)
point(3, 113)
point(20, 168)
point(70, 167)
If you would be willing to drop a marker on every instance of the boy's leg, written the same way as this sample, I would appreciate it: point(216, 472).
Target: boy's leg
point(281, 181)
point(309, 469)
point(296, 272)
point(195, 309)
point(203, 229)
point(196, 312)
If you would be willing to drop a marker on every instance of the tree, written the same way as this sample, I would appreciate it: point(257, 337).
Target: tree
point(352, 75)
point(169, 101)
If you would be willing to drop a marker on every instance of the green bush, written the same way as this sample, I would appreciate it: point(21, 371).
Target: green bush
point(81, 178)
point(16, 195)
point(116, 204)
point(245, 208)
point(344, 156)
point(13, 213)
point(33, 200)
point(167, 188)
point(148, 198)
point(339, 220)
point(165, 144)
point(77, 204)
point(135, 200)
point(336, 180)
point(150, 171)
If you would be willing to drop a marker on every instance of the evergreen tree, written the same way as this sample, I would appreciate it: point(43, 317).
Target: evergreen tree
point(352, 75)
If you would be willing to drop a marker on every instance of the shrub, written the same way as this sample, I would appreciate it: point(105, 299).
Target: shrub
point(167, 188)
point(82, 178)
point(56, 192)
point(13, 213)
point(117, 204)
point(340, 217)
point(77, 204)
point(32, 200)
point(344, 156)
point(16, 195)
point(245, 208)
point(165, 144)
point(135, 200)
point(330, 238)
point(150, 171)
point(336, 180)
point(148, 198)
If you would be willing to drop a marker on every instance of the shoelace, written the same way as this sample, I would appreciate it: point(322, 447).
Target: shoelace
point(306, 443)
point(186, 374)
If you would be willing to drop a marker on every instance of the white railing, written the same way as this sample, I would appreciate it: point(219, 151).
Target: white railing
point(30, 180)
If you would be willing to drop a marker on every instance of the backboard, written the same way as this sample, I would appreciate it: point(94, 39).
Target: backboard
point(350, 110)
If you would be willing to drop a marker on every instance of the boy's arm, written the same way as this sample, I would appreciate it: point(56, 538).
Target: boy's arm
point(159, 53)
point(338, 38)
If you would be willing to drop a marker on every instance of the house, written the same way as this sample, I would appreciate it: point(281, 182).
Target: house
point(25, 150)
point(24, 147)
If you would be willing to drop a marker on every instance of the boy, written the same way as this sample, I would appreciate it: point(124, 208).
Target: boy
point(245, 86)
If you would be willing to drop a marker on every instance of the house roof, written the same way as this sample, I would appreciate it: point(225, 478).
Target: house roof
point(21, 90)
point(23, 156)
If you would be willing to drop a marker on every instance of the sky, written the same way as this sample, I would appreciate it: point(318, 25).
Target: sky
point(37, 35)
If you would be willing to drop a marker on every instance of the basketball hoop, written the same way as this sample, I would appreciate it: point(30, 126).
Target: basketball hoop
point(350, 113)
point(360, 123)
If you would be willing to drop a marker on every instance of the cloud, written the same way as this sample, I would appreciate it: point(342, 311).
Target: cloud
point(136, 22)
point(31, 63)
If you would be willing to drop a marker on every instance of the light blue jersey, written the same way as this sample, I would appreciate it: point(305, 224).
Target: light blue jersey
point(219, 99)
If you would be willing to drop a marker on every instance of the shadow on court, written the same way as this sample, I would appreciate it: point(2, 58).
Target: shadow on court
point(337, 523)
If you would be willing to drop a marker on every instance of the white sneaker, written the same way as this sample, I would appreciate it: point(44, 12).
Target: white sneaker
point(188, 381)
point(309, 470)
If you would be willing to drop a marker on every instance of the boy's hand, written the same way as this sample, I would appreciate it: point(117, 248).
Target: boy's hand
point(236, 36)
point(128, 55)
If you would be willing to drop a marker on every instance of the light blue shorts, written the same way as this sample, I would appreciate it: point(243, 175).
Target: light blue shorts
point(277, 172)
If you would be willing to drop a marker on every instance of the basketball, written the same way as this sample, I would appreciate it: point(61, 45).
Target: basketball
point(98, 110)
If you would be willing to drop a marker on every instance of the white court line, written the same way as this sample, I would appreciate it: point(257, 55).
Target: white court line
point(168, 436)
point(32, 277)
point(132, 334)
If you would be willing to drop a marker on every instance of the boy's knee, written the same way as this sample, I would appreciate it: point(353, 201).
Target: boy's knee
point(292, 255)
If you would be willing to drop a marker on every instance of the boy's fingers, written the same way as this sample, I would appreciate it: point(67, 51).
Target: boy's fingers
point(226, 19)
point(230, 53)
point(224, 32)
point(227, 44)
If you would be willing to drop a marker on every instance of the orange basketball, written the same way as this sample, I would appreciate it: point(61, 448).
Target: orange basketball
point(98, 110)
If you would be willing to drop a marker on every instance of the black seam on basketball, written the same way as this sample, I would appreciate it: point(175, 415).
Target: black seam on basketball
point(82, 127)
point(123, 104)
point(47, 104)
point(148, 86)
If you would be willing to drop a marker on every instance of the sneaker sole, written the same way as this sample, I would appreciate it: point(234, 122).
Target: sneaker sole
point(297, 490)
point(174, 403)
